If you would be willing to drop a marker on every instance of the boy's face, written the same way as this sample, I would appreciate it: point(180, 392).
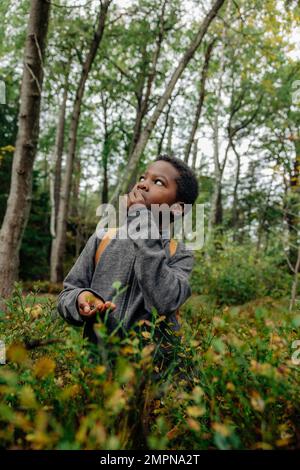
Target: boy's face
point(158, 184)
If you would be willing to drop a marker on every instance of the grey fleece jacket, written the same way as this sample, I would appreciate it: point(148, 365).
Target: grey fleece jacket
point(143, 265)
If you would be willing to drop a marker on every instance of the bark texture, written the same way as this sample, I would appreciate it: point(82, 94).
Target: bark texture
point(19, 200)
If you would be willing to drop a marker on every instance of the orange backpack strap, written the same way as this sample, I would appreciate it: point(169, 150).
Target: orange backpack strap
point(111, 232)
point(173, 246)
point(104, 242)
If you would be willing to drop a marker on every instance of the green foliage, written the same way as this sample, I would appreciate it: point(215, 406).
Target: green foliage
point(232, 384)
point(8, 132)
point(6, 156)
point(36, 242)
point(237, 274)
point(42, 287)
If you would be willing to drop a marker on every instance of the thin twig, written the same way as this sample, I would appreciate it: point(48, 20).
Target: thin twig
point(34, 77)
point(38, 48)
point(36, 343)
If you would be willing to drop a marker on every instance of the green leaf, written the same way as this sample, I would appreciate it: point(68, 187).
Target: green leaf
point(296, 321)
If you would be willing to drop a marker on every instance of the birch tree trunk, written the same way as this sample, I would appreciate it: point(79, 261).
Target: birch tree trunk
point(293, 204)
point(170, 136)
point(195, 152)
point(19, 200)
point(106, 149)
point(58, 250)
point(262, 220)
point(216, 208)
point(215, 217)
point(163, 134)
point(55, 173)
point(295, 282)
point(235, 215)
point(104, 192)
point(160, 147)
point(143, 96)
point(200, 101)
point(146, 132)
point(233, 131)
point(252, 179)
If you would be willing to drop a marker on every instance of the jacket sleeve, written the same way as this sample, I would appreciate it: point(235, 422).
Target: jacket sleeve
point(78, 280)
point(164, 281)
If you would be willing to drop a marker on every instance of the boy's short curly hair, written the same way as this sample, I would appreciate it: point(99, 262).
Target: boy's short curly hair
point(187, 183)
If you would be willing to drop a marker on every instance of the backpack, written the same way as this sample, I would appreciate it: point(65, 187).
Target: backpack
point(106, 240)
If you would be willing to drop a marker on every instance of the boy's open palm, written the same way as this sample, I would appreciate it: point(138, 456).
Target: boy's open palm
point(89, 304)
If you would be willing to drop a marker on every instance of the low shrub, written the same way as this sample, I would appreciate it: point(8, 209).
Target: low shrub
point(236, 275)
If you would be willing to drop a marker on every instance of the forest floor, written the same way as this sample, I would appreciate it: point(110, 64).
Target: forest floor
point(237, 385)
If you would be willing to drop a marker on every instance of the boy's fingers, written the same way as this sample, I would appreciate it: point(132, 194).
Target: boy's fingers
point(136, 194)
point(85, 310)
point(109, 304)
point(99, 306)
point(139, 196)
point(84, 306)
point(89, 307)
point(131, 199)
point(105, 306)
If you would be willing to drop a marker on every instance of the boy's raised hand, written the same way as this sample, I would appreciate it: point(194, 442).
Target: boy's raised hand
point(89, 304)
point(135, 197)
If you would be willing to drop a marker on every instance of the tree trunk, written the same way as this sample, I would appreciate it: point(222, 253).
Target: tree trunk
point(143, 98)
point(75, 189)
point(106, 149)
point(46, 173)
point(104, 198)
point(170, 135)
point(195, 152)
point(216, 209)
point(295, 282)
point(216, 212)
point(292, 209)
point(60, 241)
point(163, 134)
point(146, 132)
point(252, 177)
point(105, 158)
point(55, 174)
point(75, 211)
point(235, 216)
point(262, 220)
point(19, 200)
point(200, 101)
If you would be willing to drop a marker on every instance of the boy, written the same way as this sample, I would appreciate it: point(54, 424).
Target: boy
point(153, 277)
